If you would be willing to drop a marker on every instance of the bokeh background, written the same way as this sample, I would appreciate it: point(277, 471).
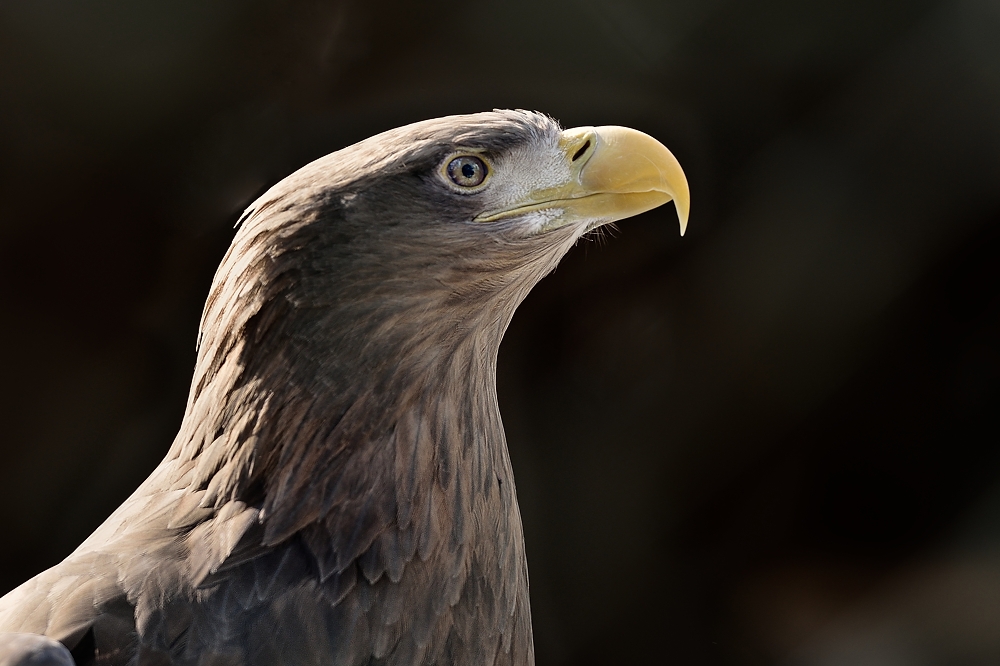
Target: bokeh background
point(773, 441)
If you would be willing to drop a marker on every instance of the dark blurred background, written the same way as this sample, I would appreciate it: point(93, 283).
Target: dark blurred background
point(773, 441)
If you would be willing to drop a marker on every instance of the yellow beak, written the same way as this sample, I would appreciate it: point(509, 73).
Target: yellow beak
point(615, 172)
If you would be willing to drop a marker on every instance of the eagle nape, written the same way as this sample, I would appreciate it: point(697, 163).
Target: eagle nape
point(339, 490)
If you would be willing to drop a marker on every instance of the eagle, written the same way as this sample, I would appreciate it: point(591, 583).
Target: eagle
point(340, 490)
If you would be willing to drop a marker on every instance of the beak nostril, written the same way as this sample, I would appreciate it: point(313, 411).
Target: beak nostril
point(583, 149)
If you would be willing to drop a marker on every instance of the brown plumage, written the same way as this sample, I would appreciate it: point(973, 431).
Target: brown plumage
point(339, 491)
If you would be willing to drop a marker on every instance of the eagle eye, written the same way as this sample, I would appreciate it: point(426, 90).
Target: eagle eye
point(467, 171)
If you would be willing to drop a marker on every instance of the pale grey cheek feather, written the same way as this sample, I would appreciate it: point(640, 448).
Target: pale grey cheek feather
point(339, 491)
point(542, 220)
point(527, 170)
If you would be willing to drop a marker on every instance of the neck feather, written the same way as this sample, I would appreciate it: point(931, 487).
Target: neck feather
point(328, 393)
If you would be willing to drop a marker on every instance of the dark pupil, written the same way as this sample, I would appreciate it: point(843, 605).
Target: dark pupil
point(468, 170)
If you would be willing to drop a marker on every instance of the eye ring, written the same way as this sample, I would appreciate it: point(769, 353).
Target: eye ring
point(466, 171)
